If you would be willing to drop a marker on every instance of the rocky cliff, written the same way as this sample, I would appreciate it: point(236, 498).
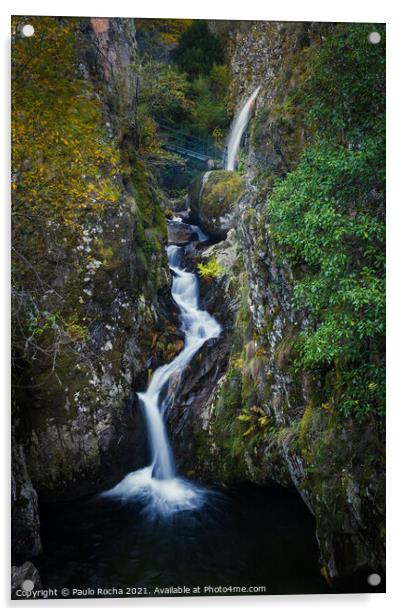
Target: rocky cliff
point(263, 421)
point(77, 424)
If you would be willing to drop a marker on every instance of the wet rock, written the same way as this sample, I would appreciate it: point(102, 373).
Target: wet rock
point(226, 252)
point(219, 295)
point(90, 452)
point(178, 205)
point(26, 577)
point(213, 199)
point(191, 393)
point(190, 400)
point(25, 527)
point(180, 233)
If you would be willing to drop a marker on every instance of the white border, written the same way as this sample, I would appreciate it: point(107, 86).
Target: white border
point(285, 10)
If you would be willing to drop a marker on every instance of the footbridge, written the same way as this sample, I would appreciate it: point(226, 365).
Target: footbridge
point(188, 146)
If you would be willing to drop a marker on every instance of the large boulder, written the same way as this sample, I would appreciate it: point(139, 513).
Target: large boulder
point(179, 233)
point(213, 198)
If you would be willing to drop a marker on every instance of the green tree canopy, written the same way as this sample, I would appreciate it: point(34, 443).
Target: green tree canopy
point(198, 50)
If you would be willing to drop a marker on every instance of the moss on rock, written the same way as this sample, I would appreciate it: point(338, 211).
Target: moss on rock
point(213, 200)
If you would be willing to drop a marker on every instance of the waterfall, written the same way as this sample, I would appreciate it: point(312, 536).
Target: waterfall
point(201, 236)
point(237, 130)
point(157, 485)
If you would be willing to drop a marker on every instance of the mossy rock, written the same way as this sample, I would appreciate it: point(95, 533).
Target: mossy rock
point(213, 199)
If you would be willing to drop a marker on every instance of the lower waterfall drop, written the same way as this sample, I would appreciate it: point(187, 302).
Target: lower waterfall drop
point(158, 486)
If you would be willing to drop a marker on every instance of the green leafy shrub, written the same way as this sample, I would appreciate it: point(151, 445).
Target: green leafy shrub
point(211, 269)
point(327, 219)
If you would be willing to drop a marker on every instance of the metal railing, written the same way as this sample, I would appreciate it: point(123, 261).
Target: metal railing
point(188, 145)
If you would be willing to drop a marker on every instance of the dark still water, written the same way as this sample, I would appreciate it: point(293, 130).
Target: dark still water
point(239, 538)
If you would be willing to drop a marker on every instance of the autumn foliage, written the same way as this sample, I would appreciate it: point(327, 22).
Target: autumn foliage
point(64, 170)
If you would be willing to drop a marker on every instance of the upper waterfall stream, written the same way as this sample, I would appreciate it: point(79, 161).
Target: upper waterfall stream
point(157, 485)
point(237, 130)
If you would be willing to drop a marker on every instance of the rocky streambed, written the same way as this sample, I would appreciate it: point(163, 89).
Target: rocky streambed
point(262, 538)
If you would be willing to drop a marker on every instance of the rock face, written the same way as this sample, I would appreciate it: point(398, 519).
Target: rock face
point(25, 529)
point(219, 296)
point(78, 427)
point(213, 198)
point(116, 45)
point(179, 233)
point(255, 419)
point(25, 573)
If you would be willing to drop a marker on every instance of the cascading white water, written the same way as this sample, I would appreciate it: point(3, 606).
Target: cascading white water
point(157, 485)
point(201, 236)
point(237, 130)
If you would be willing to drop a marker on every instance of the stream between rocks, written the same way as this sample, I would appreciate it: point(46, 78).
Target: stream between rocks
point(147, 534)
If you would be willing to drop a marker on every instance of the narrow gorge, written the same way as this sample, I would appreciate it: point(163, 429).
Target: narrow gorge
point(198, 305)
